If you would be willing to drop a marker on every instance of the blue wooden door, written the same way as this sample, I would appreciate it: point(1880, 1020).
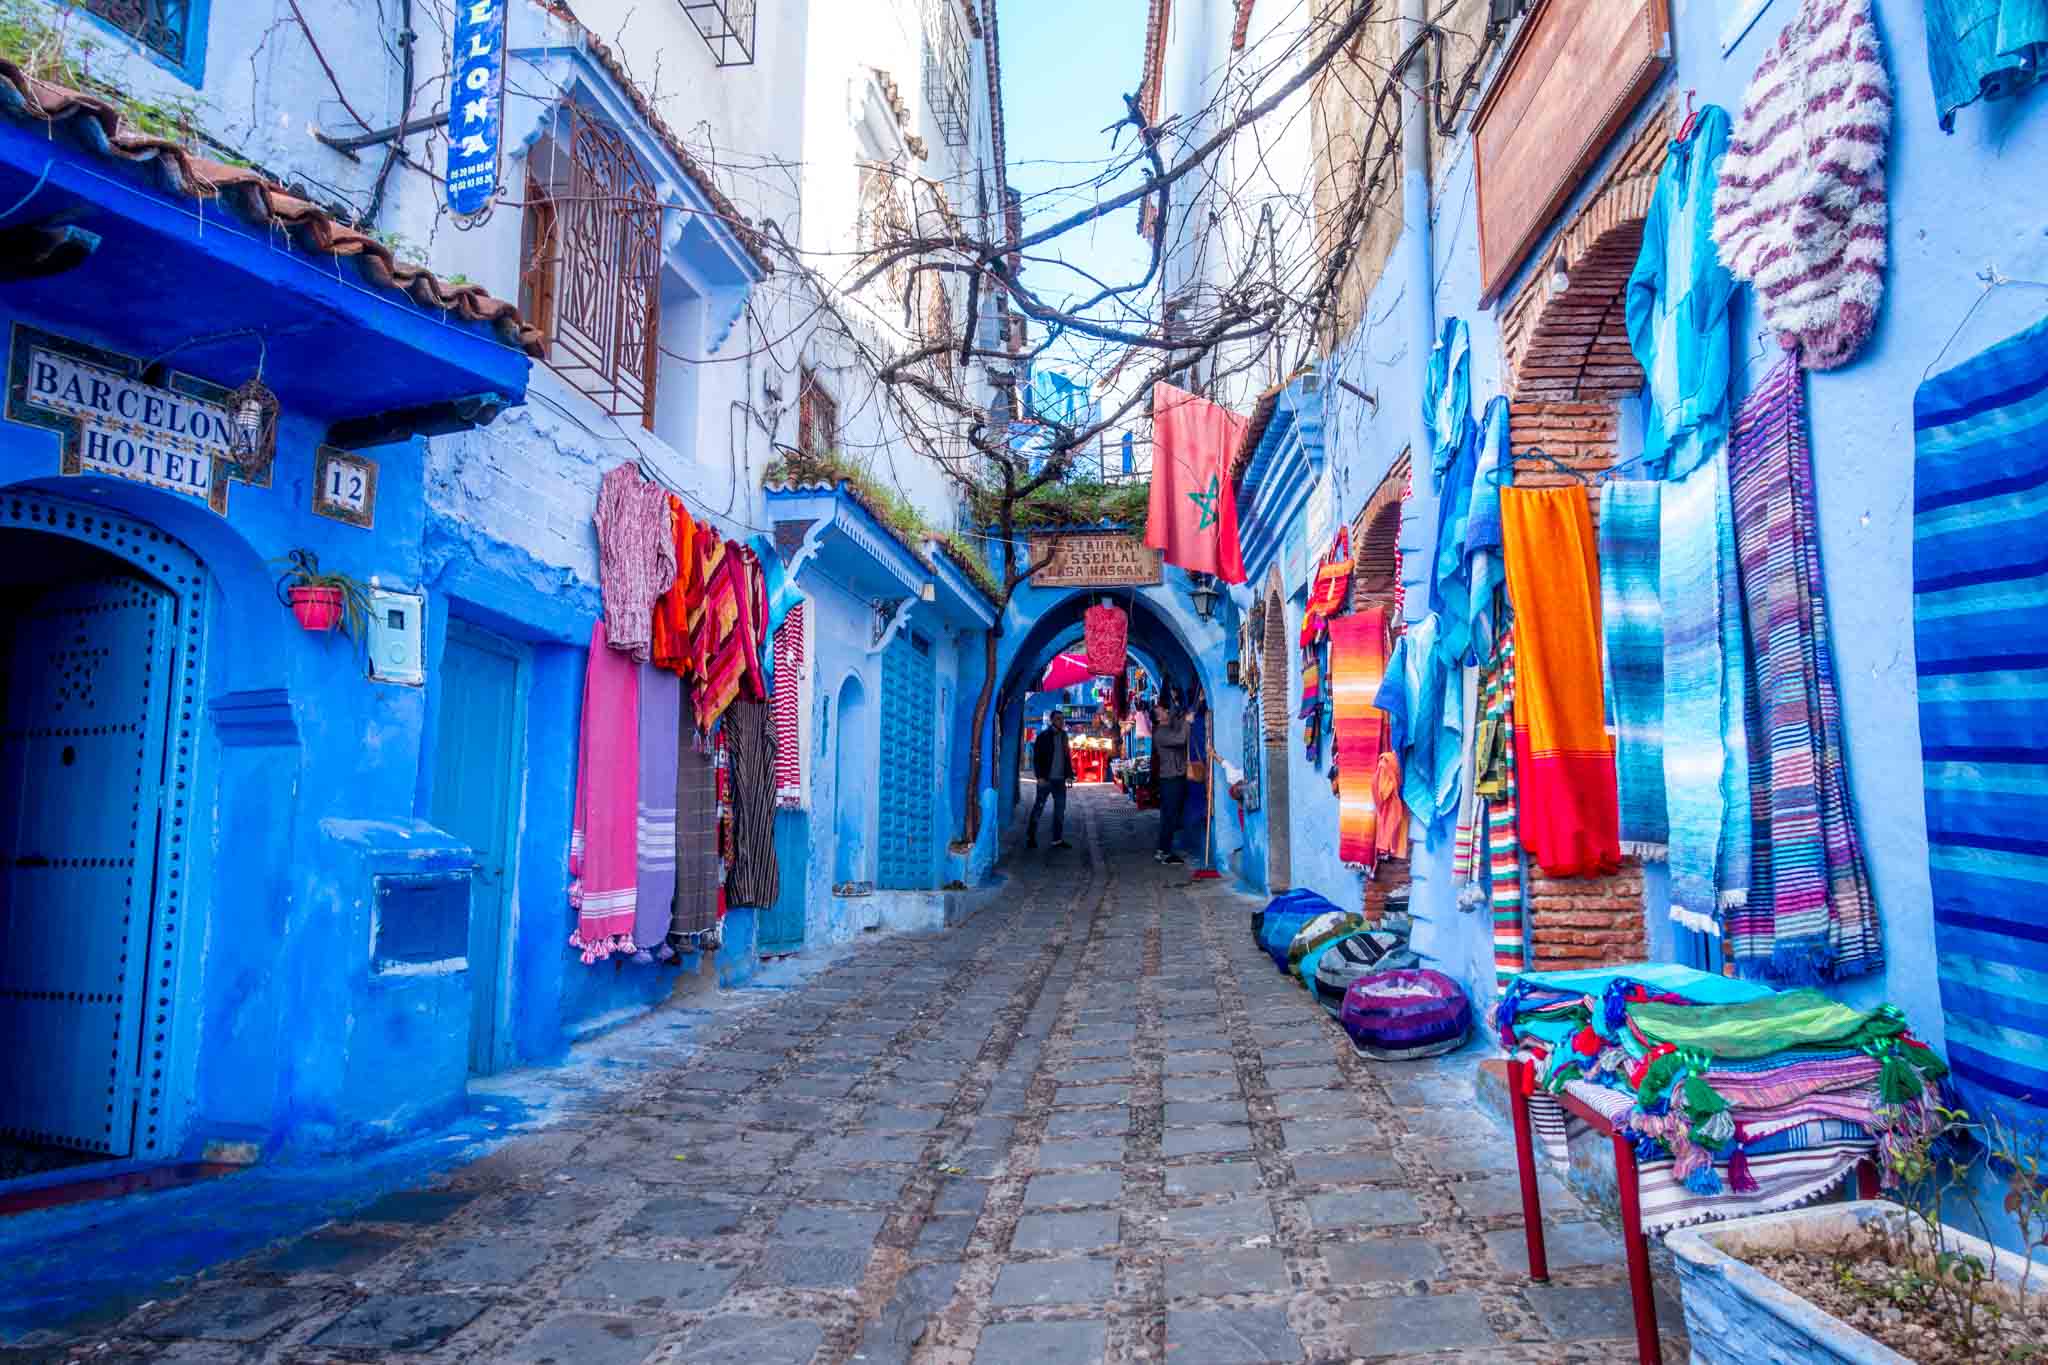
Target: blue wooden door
point(81, 783)
point(782, 926)
point(478, 748)
point(907, 780)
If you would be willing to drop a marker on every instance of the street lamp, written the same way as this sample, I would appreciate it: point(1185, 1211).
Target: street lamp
point(1202, 591)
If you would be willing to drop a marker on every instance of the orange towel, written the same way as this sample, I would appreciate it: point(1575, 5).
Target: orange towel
point(1358, 664)
point(1568, 814)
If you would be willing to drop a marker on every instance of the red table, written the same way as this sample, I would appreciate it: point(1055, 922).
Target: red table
point(1522, 1085)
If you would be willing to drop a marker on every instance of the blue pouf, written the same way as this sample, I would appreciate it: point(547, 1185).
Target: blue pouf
point(1283, 918)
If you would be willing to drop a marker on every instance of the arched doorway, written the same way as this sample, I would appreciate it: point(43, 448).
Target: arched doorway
point(100, 644)
point(853, 772)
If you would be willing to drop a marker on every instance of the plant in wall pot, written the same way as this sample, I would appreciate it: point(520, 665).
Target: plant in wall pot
point(1878, 1281)
point(321, 600)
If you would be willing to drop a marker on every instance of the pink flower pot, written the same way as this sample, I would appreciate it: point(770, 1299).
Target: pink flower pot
point(318, 609)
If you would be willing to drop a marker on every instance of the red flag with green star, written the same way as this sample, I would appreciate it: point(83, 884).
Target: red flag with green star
point(1193, 518)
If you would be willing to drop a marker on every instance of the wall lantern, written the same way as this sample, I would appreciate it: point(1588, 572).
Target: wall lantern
point(252, 409)
point(1202, 591)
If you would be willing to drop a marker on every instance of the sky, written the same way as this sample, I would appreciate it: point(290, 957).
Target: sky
point(1066, 66)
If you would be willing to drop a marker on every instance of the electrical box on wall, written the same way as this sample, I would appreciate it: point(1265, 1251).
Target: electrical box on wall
point(396, 653)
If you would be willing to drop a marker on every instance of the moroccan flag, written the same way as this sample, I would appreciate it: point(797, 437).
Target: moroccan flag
point(1193, 516)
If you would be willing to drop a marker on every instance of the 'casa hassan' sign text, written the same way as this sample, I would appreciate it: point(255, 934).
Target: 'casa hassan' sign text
point(178, 437)
point(1094, 561)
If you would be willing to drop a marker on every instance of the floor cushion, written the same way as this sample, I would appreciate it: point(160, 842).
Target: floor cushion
point(1399, 1015)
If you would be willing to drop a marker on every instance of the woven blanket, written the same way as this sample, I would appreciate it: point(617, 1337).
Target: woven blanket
point(1810, 915)
point(661, 714)
point(1500, 851)
point(1567, 784)
point(1484, 569)
point(755, 879)
point(1706, 744)
point(786, 700)
point(1980, 521)
point(1358, 665)
point(1632, 618)
point(604, 852)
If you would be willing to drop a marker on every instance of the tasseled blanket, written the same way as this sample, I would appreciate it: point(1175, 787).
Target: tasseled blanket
point(603, 840)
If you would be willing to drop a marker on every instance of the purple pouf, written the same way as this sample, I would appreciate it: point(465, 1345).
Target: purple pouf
point(1399, 1015)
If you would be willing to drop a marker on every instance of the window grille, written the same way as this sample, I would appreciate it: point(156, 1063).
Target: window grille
point(946, 84)
point(817, 417)
point(591, 264)
point(884, 224)
point(727, 28)
point(938, 327)
point(161, 25)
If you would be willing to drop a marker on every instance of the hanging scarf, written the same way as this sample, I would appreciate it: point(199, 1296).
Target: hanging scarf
point(699, 869)
point(730, 632)
point(786, 702)
point(1810, 915)
point(671, 644)
point(1358, 664)
point(1447, 396)
point(1567, 782)
point(1632, 617)
point(1502, 854)
point(754, 880)
point(604, 853)
point(1706, 746)
point(661, 711)
point(1484, 570)
point(1328, 588)
point(1421, 697)
point(636, 556)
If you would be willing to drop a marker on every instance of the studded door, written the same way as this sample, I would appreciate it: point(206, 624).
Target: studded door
point(907, 780)
point(81, 778)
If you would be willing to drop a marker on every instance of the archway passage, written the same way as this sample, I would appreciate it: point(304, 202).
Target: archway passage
point(1170, 672)
point(87, 680)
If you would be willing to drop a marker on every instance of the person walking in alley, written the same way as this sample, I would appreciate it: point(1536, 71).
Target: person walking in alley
point(1052, 763)
point(1170, 765)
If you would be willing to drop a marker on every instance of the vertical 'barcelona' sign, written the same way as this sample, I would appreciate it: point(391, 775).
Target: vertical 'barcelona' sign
point(476, 105)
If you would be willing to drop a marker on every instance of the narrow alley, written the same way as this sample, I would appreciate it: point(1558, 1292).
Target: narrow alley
point(1093, 1123)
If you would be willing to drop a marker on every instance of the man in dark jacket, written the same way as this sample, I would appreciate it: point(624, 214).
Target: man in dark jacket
point(1170, 766)
point(1052, 763)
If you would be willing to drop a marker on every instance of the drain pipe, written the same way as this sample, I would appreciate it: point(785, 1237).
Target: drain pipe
point(1415, 214)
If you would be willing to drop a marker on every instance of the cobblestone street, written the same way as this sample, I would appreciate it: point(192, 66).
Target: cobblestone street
point(1091, 1124)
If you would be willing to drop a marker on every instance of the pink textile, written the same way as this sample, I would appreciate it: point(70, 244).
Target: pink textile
point(636, 551)
point(604, 842)
point(1106, 629)
point(1064, 671)
point(789, 671)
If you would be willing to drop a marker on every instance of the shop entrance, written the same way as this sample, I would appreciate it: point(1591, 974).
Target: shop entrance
point(88, 663)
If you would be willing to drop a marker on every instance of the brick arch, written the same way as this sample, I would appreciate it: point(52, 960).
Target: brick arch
point(1573, 345)
point(1376, 538)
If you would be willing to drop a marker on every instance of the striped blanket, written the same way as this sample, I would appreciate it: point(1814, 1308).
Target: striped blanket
point(1980, 625)
point(1633, 620)
point(1810, 914)
point(1500, 848)
point(1358, 665)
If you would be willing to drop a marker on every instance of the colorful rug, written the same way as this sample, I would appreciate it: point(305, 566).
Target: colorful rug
point(661, 714)
point(604, 852)
point(786, 701)
point(1358, 665)
point(1632, 618)
point(1980, 520)
point(1567, 787)
point(1810, 915)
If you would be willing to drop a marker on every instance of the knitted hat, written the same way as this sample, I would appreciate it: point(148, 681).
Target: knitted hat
point(1800, 212)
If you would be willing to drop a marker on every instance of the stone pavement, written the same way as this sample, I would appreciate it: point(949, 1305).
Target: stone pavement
point(1092, 1124)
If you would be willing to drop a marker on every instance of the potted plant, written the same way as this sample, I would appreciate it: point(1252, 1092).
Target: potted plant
point(320, 600)
point(1874, 1281)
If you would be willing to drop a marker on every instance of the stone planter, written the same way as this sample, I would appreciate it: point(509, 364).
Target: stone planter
point(1737, 1315)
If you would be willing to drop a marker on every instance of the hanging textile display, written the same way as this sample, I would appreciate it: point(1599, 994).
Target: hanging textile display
point(1567, 781)
point(1706, 737)
point(636, 552)
point(1328, 588)
point(1105, 631)
point(700, 870)
point(1980, 635)
point(1501, 852)
point(604, 851)
point(1800, 209)
point(1632, 619)
point(1678, 306)
point(1448, 402)
point(1358, 665)
point(1311, 712)
point(729, 634)
point(786, 701)
point(1421, 698)
point(754, 879)
point(1254, 727)
point(1447, 397)
point(1810, 914)
point(1984, 49)
point(1484, 570)
point(779, 595)
point(672, 610)
point(1390, 812)
point(661, 713)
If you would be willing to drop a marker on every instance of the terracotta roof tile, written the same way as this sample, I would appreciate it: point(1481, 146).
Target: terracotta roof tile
point(1243, 28)
point(98, 126)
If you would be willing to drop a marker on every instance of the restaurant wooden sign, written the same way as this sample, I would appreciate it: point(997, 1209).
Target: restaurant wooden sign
point(1094, 560)
point(1577, 71)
